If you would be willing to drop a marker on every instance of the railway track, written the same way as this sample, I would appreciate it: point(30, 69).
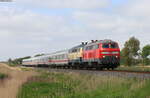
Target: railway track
point(139, 72)
point(116, 73)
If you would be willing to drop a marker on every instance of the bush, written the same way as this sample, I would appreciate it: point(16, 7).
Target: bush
point(146, 61)
point(2, 76)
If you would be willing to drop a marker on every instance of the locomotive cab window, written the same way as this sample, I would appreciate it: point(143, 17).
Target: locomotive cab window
point(113, 45)
point(105, 45)
point(78, 49)
point(74, 50)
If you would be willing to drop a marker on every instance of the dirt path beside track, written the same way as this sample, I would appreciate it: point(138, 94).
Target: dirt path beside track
point(9, 87)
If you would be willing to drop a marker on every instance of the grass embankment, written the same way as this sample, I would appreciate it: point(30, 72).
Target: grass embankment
point(73, 85)
point(2, 76)
point(135, 68)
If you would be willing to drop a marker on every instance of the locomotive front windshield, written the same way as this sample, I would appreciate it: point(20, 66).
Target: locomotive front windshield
point(105, 46)
point(110, 45)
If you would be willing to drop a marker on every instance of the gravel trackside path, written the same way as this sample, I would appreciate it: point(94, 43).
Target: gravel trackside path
point(16, 77)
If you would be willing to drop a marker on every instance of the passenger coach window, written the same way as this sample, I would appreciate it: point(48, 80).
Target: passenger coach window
point(105, 46)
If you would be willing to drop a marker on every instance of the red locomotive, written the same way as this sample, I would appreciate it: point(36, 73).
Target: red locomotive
point(101, 54)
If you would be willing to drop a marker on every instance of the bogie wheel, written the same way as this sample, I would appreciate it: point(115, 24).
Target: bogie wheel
point(112, 68)
point(99, 68)
point(108, 68)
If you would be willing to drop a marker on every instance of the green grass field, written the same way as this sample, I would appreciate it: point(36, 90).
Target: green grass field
point(73, 85)
point(2, 76)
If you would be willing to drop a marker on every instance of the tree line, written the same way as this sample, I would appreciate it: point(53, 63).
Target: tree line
point(18, 61)
point(131, 54)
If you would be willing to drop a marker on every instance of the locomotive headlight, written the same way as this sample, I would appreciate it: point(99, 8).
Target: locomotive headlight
point(103, 56)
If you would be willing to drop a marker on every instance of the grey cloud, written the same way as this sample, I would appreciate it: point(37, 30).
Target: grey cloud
point(116, 26)
point(25, 32)
point(82, 4)
point(137, 8)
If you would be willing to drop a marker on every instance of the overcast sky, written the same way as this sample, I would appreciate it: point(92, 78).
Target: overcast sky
point(29, 27)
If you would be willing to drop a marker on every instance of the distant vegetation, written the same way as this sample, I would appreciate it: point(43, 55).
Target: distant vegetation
point(39, 55)
point(74, 85)
point(17, 61)
point(132, 55)
point(2, 76)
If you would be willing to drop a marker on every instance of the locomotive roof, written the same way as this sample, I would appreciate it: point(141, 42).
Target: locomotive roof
point(59, 52)
point(107, 41)
point(78, 46)
point(101, 41)
point(47, 55)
